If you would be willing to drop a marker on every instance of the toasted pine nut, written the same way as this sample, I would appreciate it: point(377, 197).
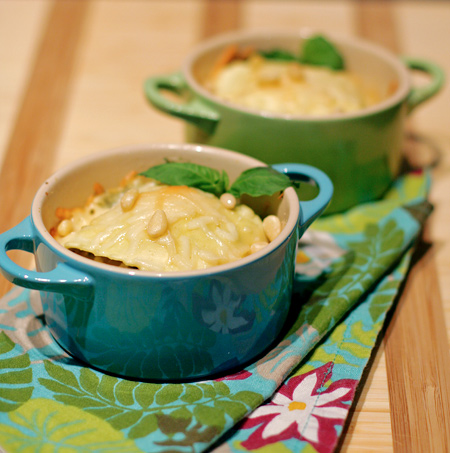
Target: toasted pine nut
point(272, 227)
point(157, 224)
point(228, 200)
point(257, 246)
point(128, 177)
point(63, 213)
point(225, 57)
point(65, 227)
point(128, 199)
point(98, 189)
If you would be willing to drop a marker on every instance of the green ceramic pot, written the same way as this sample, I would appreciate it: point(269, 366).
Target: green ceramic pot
point(360, 152)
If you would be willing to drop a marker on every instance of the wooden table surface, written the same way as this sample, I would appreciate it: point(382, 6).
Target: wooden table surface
point(71, 84)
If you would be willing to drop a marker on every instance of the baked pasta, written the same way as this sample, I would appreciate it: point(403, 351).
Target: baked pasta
point(150, 226)
point(288, 87)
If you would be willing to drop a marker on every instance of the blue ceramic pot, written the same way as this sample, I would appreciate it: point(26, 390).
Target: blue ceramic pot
point(161, 326)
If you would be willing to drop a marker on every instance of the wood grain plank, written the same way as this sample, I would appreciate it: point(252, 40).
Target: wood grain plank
point(416, 345)
point(418, 363)
point(220, 16)
point(36, 133)
point(374, 21)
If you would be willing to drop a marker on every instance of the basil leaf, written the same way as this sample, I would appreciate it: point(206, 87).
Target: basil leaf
point(189, 174)
point(278, 54)
point(254, 181)
point(260, 181)
point(317, 50)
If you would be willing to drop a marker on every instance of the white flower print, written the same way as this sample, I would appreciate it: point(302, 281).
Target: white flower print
point(303, 409)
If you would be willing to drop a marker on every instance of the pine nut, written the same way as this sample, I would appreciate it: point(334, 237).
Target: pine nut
point(257, 246)
point(272, 227)
point(128, 178)
point(63, 213)
point(244, 211)
point(65, 227)
point(157, 224)
point(128, 199)
point(228, 200)
point(98, 189)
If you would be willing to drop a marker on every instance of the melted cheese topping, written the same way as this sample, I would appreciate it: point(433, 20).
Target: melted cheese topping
point(290, 87)
point(200, 231)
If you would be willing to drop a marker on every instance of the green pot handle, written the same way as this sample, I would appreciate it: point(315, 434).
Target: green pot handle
point(418, 95)
point(193, 110)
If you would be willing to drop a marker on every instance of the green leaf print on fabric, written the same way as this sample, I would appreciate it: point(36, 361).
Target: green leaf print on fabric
point(360, 341)
point(354, 274)
point(383, 298)
point(15, 374)
point(410, 189)
point(353, 339)
point(338, 279)
point(380, 248)
point(145, 407)
point(195, 434)
point(327, 353)
point(45, 425)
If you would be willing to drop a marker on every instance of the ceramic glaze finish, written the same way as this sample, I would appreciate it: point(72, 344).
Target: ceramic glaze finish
point(161, 326)
point(365, 144)
point(180, 326)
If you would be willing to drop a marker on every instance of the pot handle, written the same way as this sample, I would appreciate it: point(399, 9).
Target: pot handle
point(63, 279)
point(193, 110)
point(418, 95)
point(309, 210)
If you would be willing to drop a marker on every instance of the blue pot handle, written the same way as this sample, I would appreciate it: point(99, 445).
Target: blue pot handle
point(311, 209)
point(63, 279)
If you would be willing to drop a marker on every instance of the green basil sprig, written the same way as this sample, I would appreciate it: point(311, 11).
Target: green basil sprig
point(319, 51)
point(188, 174)
point(260, 181)
point(316, 50)
point(279, 54)
point(255, 182)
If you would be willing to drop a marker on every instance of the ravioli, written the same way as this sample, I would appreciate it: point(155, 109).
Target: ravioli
point(196, 231)
point(289, 87)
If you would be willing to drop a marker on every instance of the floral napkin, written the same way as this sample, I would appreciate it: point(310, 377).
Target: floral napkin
point(294, 399)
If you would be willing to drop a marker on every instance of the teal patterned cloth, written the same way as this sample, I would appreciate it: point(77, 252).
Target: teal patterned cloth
point(294, 399)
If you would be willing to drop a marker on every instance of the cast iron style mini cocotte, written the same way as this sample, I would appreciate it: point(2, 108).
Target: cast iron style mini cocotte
point(161, 326)
point(360, 151)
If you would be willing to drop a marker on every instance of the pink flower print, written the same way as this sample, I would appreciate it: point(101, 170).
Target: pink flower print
point(240, 375)
point(299, 410)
